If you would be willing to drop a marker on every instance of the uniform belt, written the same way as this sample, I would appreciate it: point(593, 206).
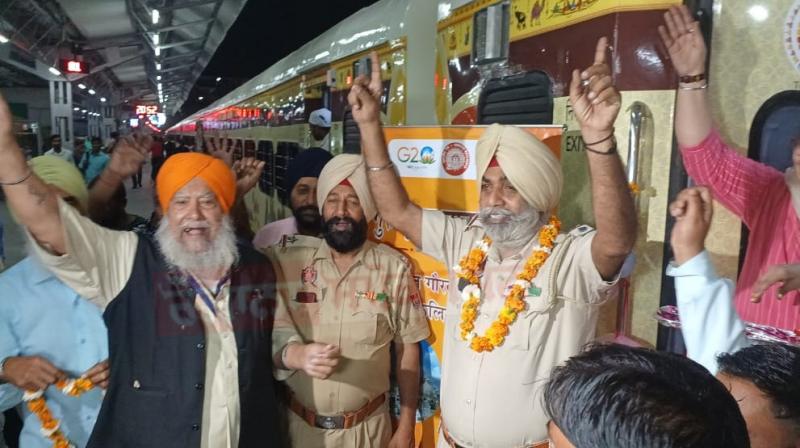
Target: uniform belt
point(344, 421)
point(452, 443)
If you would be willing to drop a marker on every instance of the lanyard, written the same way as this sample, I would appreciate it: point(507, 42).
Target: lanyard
point(200, 291)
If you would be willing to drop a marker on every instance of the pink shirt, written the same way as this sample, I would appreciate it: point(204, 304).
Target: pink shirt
point(759, 196)
point(271, 234)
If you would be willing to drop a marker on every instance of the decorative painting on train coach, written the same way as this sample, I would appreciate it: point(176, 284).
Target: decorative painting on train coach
point(791, 35)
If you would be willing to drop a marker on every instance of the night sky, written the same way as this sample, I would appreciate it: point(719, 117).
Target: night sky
point(264, 32)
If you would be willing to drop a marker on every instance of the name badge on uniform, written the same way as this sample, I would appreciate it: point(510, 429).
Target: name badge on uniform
point(305, 297)
point(309, 275)
point(534, 290)
point(371, 296)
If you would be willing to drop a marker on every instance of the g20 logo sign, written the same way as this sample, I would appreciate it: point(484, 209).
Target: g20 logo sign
point(412, 154)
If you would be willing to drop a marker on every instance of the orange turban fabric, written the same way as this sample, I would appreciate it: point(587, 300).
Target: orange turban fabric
point(181, 168)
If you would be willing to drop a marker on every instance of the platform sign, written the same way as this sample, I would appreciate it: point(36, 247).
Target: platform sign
point(438, 168)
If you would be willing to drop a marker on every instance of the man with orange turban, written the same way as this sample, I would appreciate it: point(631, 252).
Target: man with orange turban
point(188, 312)
point(522, 298)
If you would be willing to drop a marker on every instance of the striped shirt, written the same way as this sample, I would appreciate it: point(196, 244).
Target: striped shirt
point(759, 196)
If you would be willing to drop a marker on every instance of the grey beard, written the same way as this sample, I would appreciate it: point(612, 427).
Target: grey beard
point(516, 231)
point(222, 253)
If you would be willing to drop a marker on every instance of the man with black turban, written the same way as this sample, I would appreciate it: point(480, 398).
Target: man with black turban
point(300, 185)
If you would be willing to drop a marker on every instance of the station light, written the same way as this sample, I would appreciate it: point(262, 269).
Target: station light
point(92, 92)
point(158, 51)
point(158, 78)
point(158, 66)
point(159, 86)
point(84, 111)
point(199, 98)
point(156, 39)
point(103, 99)
point(54, 71)
point(82, 86)
point(156, 16)
point(219, 78)
point(3, 39)
point(76, 108)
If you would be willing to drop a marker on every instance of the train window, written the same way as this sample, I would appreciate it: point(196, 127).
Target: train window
point(362, 66)
point(351, 136)
point(238, 150)
point(285, 152)
point(774, 127)
point(265, 154)
point(249, 148)
point(490, 34)
point(525, 98)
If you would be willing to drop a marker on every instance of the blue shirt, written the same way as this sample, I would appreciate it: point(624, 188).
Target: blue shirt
point(93, 164)
point(41, 316)
point(709, 322)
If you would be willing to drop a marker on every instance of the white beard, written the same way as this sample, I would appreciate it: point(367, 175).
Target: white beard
point(515, 231)
point(220, 254)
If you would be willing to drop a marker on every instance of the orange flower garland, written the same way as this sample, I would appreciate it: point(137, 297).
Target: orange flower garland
point(514, 303)
point(51, 425)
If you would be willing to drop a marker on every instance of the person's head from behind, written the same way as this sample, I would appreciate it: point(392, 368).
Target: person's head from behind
point(320, 123)
point(765, 381)
point(623, 397)
point(63, 179)
point(300, 183)
point(345, 203)
point(520, 185)
point(55, 142)
point(195, 193)
point(97, 144)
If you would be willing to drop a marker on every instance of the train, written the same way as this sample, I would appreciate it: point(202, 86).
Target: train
point(470, 63)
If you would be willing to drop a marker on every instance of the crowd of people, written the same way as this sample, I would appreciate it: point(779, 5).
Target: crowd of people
point(186, 329)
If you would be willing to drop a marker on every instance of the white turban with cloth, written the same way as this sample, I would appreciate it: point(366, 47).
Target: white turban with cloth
point(349, 167)
point(528, 164)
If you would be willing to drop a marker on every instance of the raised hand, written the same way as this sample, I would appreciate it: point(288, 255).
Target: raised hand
point(129, 154)
point(248, 171)
point(595, 100)
point(684, 41)
point(786, 276)
point(692, 210)
point(221, 148)
point(31, 372)
point(365, 95)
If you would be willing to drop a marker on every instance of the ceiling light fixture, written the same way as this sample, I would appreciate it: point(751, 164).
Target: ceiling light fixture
point(54, 71)
point(3, 39)
point(92, 92)
point(156, 16)
point(103, 99)
point(158, 51)
point(82, 86)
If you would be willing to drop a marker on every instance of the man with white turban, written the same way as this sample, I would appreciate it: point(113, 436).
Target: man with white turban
point(345, 301)
point(522, 298)
point(188, 312)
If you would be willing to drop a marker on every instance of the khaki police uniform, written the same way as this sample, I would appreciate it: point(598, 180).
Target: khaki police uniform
point(362, 311)
point(494, 399)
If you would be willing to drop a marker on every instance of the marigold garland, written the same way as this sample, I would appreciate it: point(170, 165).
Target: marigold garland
point(514, 303)
point(51, 425)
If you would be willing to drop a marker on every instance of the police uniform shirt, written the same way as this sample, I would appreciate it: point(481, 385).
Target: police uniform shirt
point(362, 311)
